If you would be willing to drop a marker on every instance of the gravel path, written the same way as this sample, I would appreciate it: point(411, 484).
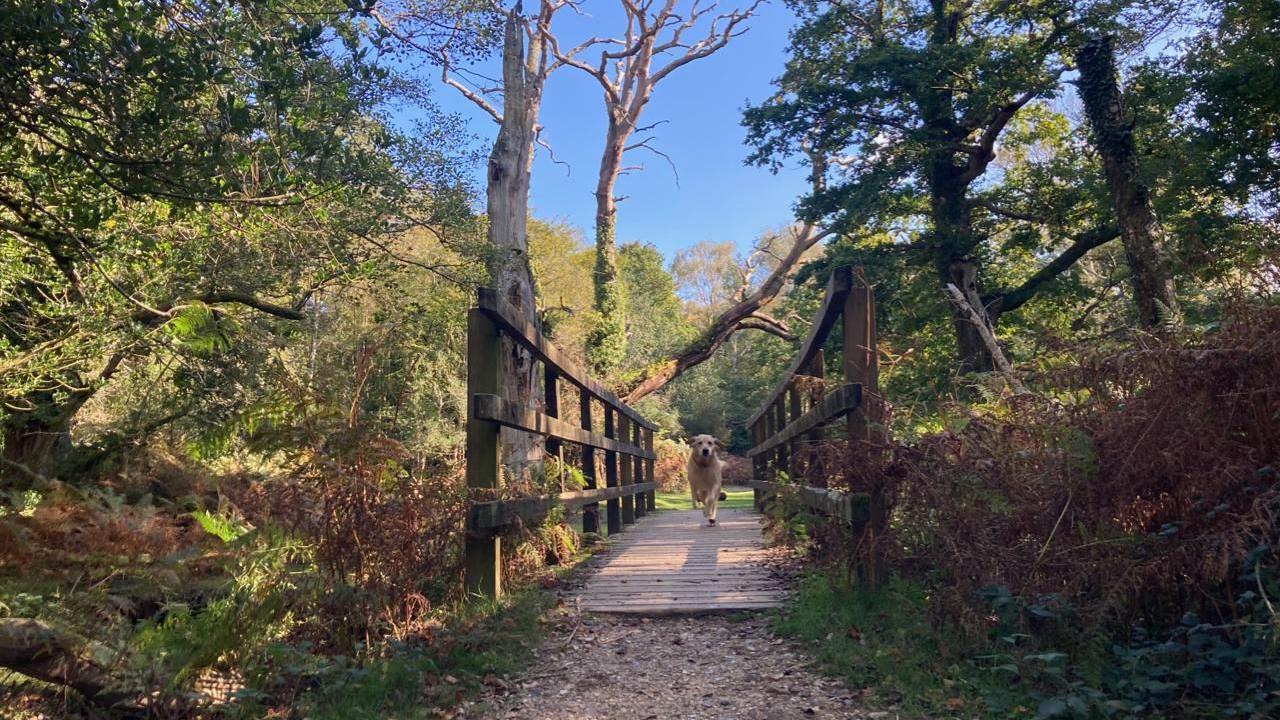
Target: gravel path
point(722, 667)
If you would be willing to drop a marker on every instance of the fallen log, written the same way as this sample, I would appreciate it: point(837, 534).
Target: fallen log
point(36, 649)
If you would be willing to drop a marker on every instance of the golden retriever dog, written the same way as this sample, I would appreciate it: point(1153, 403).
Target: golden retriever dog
point(704, 474)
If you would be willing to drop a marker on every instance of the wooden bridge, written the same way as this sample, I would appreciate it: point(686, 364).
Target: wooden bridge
point(669, 562)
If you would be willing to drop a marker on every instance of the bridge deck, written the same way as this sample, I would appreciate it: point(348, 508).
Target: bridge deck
point(671, 562)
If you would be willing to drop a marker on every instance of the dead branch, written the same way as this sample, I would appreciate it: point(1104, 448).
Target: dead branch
point(988, 338)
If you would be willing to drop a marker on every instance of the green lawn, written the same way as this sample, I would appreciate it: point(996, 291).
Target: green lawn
point(737, 499)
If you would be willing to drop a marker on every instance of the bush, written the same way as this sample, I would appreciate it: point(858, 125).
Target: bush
point(1126, 526)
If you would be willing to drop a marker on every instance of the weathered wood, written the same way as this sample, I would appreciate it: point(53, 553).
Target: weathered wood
point(852, 508)
point(613, 509)
point(780, 414)
point(499, 410)
point(496, 514)
point(637, 473)
point(625, 478)
point(506, 318)
point(590, 511)
point(815, 473)
point(651, 500)
point(551, 406)
point(836, 404)
point(483, 555)
point(38, 650)
point(832, 303)
point(859, 356)
point(674, 563)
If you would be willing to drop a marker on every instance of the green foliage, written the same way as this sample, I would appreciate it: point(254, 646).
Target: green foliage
point(607, 341)
point(883, 640)
point(256, 610)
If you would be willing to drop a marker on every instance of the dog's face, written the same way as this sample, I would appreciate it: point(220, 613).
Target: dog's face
point(704, 446)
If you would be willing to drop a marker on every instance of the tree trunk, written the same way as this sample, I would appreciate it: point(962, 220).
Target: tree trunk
point(510, 165)
point(952, 243)
point(1153, 291)
point(607, 343)
point(34, 649)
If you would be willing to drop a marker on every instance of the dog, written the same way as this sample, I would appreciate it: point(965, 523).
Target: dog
point(704, 474)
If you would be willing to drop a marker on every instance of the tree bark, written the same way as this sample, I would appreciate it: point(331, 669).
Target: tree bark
point(34, 649)
point(507, 195)
point(1153, 291)
point(952, 243)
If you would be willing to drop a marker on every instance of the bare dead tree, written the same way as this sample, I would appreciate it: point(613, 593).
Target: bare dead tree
point(659, 39)
point(513, 102)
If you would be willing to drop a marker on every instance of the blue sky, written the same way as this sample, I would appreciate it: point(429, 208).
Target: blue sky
point(718, 198)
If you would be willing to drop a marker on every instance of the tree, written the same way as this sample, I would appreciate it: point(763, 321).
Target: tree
point(910, 100)
point(626, 74)
point(1113, 137)
point(172, 174)
point(526, 64)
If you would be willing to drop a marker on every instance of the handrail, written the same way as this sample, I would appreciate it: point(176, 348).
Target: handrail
point(794, 416)
point(838, 287)
point(522, 331)
point(494, 329)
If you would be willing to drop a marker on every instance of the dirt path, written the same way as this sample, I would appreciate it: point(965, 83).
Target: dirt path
point(686, 668)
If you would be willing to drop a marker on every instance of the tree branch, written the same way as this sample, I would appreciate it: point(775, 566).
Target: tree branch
point(1015, 298)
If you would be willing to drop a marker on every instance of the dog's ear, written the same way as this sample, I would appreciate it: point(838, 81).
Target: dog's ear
point(719, 445)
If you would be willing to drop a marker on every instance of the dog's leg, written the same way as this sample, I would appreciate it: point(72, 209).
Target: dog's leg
point(693, 492)
point(710, 510)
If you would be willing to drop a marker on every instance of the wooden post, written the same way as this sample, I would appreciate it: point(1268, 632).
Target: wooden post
point(551, 403)
point(817, 475)
point(770, 457)
point(638, 473)
point(590, 512)
point(651, 500)
point(759, 464)
point(628, 501)
point(861, 365)
point(613, 507)
point(784, 460)
point(482, 555)
point(793, 399)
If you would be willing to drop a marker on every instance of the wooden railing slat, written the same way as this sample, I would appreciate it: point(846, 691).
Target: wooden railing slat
point(837, 403)
point(852, 508)
point(501, 411)
point(495, 514)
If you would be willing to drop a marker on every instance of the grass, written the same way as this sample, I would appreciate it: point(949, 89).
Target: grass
point(735, 500)
point(882, 640)
point(489, 639)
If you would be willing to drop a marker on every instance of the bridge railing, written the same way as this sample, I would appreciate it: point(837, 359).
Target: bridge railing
point(798, 413)
point(624, 437)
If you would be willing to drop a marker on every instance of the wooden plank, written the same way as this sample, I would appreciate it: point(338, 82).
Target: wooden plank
point(832, 303)
point(852, 508)
point(506, 317)
point(503, 412)
point(672, 562)
point(836, 403)
point(487, 516)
